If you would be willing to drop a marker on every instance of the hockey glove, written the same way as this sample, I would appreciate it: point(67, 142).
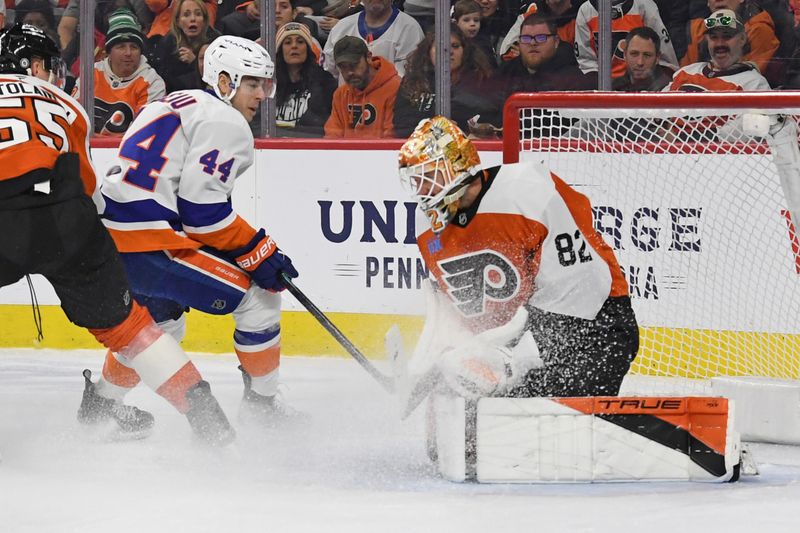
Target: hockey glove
point(476, 369)
point(264, 261)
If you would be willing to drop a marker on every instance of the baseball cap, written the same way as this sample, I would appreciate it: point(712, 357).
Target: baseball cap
point(349, 49)
point(724, 19)
point(122, 28)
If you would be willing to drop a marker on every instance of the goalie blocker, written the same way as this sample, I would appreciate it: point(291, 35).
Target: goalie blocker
point(586, 440)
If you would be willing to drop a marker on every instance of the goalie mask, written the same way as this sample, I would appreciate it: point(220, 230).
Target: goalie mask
point(237, 57)
point(436, 164)
point(22, 44)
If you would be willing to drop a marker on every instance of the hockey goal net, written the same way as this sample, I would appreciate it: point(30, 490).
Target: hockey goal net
point(695, 193)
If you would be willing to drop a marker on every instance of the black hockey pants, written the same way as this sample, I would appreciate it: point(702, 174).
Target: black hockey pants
point(60, 236)
point(582, 357)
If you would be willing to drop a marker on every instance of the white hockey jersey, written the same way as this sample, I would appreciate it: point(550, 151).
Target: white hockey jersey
point(394, 41)
point(529, 238)
point(700, 77)
point(625, 17)
point(178, 164)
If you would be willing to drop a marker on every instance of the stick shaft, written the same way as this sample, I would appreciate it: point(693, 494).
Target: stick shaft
point(385, 381)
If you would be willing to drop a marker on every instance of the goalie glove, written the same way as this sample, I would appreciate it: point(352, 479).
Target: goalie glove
point(476, 369)
point(264, 261)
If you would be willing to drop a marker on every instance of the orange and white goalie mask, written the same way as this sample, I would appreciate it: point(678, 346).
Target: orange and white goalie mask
point(436, 164)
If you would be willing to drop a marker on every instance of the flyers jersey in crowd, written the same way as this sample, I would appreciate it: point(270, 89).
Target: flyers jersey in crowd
point(117, 100)
point(626, 16)
point(178, 164)
point(529, 238)
point(700, 77)
point(38, 122)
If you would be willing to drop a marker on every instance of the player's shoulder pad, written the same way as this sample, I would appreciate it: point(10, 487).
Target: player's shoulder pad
point(520, 188)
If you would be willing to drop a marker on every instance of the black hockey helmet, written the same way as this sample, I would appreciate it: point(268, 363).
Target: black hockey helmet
point(21, 43)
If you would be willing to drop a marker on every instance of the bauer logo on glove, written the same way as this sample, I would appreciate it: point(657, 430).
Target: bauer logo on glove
point(264, 261)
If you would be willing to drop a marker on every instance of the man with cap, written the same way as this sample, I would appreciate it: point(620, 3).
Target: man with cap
point(725, 71)
point(770, 35)
point(388, 32)
point(124, 81)
point(364, 106)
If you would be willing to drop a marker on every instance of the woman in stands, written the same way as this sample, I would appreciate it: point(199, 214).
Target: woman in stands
point(470, 85)
point(176, 54)
point(304, 89)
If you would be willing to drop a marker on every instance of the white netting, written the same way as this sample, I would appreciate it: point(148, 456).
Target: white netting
point(693, 204)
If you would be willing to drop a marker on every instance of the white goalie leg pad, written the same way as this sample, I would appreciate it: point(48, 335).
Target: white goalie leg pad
point(585, 440)
point(767, 409)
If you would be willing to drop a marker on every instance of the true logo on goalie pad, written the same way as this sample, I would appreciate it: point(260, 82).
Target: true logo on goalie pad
point(474, 278)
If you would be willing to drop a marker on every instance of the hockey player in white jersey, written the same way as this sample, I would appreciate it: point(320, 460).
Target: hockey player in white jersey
point(513, 247)
point(168, 208)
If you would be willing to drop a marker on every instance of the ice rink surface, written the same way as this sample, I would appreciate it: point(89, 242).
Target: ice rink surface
point(353, 467)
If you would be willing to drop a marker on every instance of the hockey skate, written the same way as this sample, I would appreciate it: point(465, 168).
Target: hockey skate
point(206, 417)
point(266, 411)
point(95, 409)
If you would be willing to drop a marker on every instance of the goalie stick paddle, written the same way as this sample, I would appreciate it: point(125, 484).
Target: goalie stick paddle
point(385, 381)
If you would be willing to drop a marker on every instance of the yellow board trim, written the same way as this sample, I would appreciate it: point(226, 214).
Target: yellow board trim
point(301, 334)
point(663, 351)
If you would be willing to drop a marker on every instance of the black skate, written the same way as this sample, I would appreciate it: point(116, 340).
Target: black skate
point(206, 417)
point(266, 411)
point(95, 410)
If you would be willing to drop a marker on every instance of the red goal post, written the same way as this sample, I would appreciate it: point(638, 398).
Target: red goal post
point(695, 192)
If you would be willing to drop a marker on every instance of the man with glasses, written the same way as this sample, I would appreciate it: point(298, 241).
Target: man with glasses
point(725, 71)
point(545, 63)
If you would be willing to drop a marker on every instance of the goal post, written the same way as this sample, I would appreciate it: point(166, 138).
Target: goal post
point(695, 192)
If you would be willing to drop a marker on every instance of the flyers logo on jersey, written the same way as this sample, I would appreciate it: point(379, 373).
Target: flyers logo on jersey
point(362, 114)
point(474, 278)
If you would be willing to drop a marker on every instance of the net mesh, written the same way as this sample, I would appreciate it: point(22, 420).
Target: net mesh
point(692, 203)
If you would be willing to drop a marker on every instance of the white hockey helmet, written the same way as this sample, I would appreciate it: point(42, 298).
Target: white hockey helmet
point(237, 57)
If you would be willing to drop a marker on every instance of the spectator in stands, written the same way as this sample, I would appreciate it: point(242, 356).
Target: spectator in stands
point(71, 52)
point(726, 38)
point(563, 13)
point(177, 51)
point(642, 48)
point(770, 35)
point(362, 107)
point(470, 85)
point(163, 16)
point(2, 15)
point(467, 15)
point(37, 13)
point(545, 63)
point(123, 82)
point(305, 90)
point(389, 33)
point(245, 21)
point(626, 15)
point(496, 20)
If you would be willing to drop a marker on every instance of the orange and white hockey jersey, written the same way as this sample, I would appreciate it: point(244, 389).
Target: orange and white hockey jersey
point(700, 77)
point(38, 122)
point(625, 17)
point(117, 100)
point(529, 238)
point(179, 161)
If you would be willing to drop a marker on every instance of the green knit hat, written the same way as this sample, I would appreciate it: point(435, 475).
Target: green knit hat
point(123, 28)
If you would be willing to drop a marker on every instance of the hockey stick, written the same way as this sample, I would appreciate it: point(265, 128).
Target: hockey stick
point(385, 381)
